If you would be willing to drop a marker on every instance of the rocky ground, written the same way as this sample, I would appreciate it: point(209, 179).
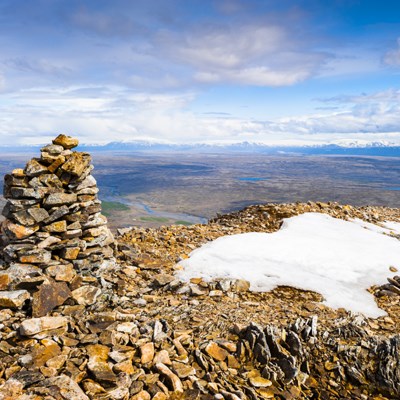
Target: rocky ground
point(149, 336)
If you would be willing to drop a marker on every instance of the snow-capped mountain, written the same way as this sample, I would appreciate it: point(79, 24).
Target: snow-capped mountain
point(359, 143)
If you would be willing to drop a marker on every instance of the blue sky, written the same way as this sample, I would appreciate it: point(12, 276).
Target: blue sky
point(200, 71)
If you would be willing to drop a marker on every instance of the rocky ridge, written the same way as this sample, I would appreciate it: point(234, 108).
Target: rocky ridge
point(123, 327)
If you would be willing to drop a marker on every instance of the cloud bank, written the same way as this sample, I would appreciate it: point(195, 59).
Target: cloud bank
point(193, 71)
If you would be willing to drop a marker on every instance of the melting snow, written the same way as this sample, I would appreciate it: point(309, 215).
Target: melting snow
point(312, 251)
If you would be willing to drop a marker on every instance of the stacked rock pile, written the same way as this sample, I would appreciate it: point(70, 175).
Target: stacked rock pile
point(54, 236)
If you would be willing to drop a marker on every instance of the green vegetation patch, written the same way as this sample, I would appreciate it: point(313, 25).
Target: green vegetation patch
point(154, 219)
point(109, 206)
point(186, 223)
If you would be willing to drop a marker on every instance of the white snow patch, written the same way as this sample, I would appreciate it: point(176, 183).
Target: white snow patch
point(387, 227)
point(392, 226)
point(312, 251)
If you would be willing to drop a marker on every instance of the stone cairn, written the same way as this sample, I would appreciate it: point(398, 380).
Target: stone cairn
point(54, 237)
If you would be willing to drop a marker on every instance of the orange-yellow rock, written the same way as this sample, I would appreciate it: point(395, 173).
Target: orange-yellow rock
point(16, 231)
point(65, 141)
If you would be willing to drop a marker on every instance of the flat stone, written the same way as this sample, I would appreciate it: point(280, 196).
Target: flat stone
point(86, 295)
point(34, 326)
point(28, 378)
point(97, 220)
point(28, 193)
point(64, 273)
point(56, 227)
point(46, 243)
point(59, 199)
point(98, 356)
point(76, 164)
point(216, 352)
point(67, 142)
point(13, 299)
point(12, 180)
point(34, 168)
point(42, 235)
point(260, 382)
point(18, 172)
point(70, 253)
point(49, 296)
point(241, 285)
point(147, 352)
point(216, 293)
point(88, 191)
point(14, 205)
point(47, 158)
point(75, 242)
point(50, 180)
point(162, 279)
point(56, 214)
point(35, 256)
point(196, 290)
point(183, 370)
point(94, 232)
point(72, 233)
point(16, 231)
point(89, 181)
point(18, 272)
point(56, 362)
point(38, 214)
point(44, 352)
point(68, 388)
point(52, 149)
point(11, 250)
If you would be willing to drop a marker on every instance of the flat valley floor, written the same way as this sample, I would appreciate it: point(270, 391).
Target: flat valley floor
point(144, 189)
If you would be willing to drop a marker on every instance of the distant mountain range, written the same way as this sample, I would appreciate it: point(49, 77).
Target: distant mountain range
point(342, 147)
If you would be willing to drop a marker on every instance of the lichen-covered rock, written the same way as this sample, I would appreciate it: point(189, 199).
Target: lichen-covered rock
point(18, 232)
point(66, 142)
point(13, 299)
point(50, 295)
point(68, 389)
point(59, 199)
point(76, 164)
point(34, 168)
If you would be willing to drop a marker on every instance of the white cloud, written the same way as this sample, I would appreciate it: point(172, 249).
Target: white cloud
point(252, 54)
point(109, 113)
